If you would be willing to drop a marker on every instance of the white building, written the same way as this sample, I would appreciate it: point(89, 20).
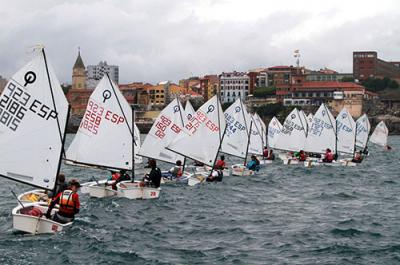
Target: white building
point(233, 85)
point(96, 72)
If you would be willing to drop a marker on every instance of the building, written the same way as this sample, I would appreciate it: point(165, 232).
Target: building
point(96, 72)
point(335, 94)
point(233, 85)
point(209, 86)
point(366, 64)
point(79, 94)
point(192, 83)
point(326, 75)
point(79, 73)
point(283, 77)
point(3, 83)
point(136, 93)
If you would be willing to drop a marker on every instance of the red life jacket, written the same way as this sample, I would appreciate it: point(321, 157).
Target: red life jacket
point(265, 153)
point(329, 156)
point(115, 176)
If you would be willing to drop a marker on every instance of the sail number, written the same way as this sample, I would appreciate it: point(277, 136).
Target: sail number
point(162, 124)
point(201, 118)
point(14, 104)
point(94, 114)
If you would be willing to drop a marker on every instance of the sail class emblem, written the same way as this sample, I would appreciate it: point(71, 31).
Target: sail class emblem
point(237, 109)
point(344, 115)
point(106, 95)
point(176, 109)
point(210, 109)
point(293, 116)
point(323, 113)
point(29, 78)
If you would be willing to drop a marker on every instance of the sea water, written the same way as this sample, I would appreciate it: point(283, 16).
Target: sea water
point(282, 215)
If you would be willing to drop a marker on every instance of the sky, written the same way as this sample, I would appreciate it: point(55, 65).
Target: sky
point(158, 40)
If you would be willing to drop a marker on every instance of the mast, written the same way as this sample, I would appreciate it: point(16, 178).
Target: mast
point(355, 140)
point(221, 138)
point(183, 125)
point(133, 143)
point(248, 143)
point(62, 135)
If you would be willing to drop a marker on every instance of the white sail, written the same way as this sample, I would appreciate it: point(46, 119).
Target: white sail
point(310, 119)
point(104, 137)
point(293, 133)
point(304, 120)
point(203, 134)
point(32, 125)
point(274, 131)
point(189, 110)
point(346, 129)
point(256, 145)
point(322, 133)
point(237, 130)
point(380, 134)
point(363, 127)
point(262, 128)
point(164, 130)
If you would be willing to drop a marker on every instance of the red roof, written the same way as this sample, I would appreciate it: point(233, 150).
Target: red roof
point(332, 84)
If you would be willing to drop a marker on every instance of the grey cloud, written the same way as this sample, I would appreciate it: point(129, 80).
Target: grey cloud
point(163, 40)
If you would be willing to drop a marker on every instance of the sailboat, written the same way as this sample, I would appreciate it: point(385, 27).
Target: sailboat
point(292, 136)
point(165, 129)
point(274, 131)
point(202, 137)
point(380, 135)
point(33, 117)
point(321, 135)
point(346, 136)
point(107, 137)
point(236, 142)
point(363, 128)
point(189, 110)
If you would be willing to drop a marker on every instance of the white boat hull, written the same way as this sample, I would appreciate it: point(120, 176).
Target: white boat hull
point(241, 170)
point(266, 162)
point(85, 186)
point(290, 161)
point(34, 224)
point(101, 190)
point(133, 190)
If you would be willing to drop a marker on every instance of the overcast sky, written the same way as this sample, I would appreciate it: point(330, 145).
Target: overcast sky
point(155, 40)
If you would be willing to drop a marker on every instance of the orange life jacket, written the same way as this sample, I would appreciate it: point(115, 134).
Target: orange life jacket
point(67, 204)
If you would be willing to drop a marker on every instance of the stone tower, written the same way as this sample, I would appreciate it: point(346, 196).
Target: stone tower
point(79, 73)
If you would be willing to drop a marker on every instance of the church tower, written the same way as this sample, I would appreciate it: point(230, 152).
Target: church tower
point(79, 73)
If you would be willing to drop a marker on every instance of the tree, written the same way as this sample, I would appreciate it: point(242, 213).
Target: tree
point(347, 79)
point(263, 92)
point(393, 84)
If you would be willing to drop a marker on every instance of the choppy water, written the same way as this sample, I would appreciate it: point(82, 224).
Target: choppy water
point(283, 215)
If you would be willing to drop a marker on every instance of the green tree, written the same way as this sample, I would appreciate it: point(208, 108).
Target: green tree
point(263, 92)
point(393, 84)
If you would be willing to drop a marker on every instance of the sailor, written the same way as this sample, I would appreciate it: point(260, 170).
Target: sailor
point(153, 179)
point(302, 155)
point(328, 156)
point(69, 204)
point(357, 157)
point(271, 155)
point(265, 153)
point(365, 151)
point(252, 164)
point(220, 164)
point(216, 175)
point(60, 186)
point(118, 177)
point(176, 171)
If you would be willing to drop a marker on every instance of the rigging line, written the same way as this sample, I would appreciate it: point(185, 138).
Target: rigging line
point(53, 100)
point(298, 115)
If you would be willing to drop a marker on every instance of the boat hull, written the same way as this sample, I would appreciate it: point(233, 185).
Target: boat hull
point(241, 170)
point(34, 224)
point(101, 190)
point(33, 196)
point(133, 190)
